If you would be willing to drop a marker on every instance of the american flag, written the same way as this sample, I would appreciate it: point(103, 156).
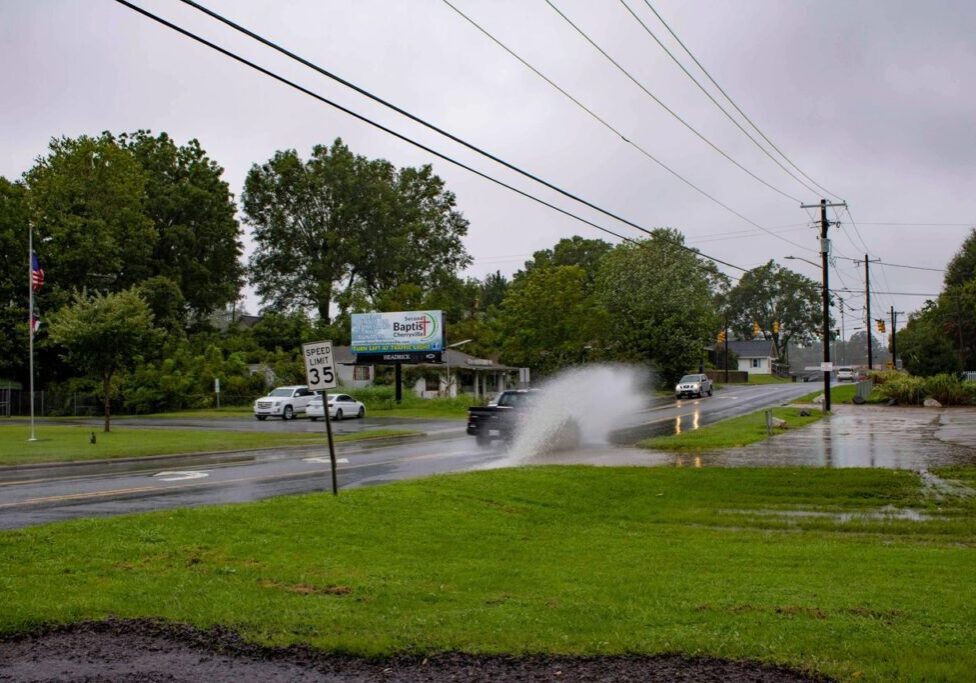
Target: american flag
point(37, 273)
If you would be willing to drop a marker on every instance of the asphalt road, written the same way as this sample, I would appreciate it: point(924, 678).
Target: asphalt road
point(97, 489)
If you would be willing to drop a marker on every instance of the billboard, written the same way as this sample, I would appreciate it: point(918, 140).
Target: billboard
point(404, 331)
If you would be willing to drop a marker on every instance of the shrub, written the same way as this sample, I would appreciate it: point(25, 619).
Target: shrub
point(970, 389)
point(904, 389)
point(883, 376)
point(947, 389)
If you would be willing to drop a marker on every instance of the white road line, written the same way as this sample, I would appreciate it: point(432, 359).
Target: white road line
point(180, 476)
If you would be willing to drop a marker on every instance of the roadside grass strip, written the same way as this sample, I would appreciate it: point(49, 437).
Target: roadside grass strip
point(58, 443)
point(875, 582)
point(731, 433)
point(841, 393)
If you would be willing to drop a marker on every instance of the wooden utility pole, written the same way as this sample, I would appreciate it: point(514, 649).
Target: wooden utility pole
point(867, 307)
point(824, 255)
point(894, 337)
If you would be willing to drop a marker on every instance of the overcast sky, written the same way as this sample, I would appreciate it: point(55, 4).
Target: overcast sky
point(873, 100)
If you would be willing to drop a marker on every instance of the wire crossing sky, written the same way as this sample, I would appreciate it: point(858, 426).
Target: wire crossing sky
point(879, 104)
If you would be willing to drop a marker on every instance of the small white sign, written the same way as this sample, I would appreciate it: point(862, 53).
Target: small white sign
point(827, 367)
point(320, 369)
point(217, 384)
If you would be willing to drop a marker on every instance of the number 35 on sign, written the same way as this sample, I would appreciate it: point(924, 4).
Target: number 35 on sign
point(319, 365)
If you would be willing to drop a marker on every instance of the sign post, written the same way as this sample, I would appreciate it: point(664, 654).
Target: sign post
point(217, 390)
point(320, 373)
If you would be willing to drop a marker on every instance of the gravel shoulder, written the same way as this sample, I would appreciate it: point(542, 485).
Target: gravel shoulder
point(148, 650)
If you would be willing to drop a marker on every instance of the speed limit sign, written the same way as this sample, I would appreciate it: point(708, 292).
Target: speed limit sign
point(320, 370)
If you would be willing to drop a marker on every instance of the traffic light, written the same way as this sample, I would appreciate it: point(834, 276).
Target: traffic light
point(721, 337)
point(835, 334)
point(881, 325)
point(756, 329)
point(775, 327)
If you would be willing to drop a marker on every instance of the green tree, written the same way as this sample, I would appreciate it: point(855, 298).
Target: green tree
point(197, 242)
point(660, 303)
point(87, 204)
point(103, 335)
point(571, 251)
point(548, 320)
point(773, 294)
point(923, 346)
point(342, 222)
point(13, 279)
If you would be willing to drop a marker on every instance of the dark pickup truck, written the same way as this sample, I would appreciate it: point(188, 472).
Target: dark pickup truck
point(498, 421)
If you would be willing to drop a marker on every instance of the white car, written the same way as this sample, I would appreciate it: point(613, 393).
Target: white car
point(283, 402)
point(340, 406)
point(846, 375)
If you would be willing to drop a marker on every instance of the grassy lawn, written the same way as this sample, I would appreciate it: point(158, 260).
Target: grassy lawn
point(566, 560)
point(841, 393)
point(737, 431)
point(57, 443)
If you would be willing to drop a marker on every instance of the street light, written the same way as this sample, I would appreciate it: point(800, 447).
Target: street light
point(800, 258)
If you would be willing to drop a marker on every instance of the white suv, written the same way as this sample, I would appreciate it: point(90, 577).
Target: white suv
point(693, 385)
point(283, 402)
point(846, 375)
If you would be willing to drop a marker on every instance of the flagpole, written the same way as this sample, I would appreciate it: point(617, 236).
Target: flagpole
point(30, 319)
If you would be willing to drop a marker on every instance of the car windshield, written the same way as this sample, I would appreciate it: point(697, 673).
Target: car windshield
point(281, 392)
point(689, 379)
point(511, 398)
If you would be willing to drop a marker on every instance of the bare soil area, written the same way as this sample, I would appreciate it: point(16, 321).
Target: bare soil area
point(148, 650)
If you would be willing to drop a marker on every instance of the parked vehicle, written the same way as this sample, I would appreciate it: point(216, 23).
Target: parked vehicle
point(340, 406)
point(499, 419)
point(846, 374)
point(283, 402)
point(693, 385)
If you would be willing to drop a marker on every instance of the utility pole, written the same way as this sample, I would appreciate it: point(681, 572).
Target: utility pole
point(843, 333)
point(894, 337)
point(824, 254)
point(867, 307)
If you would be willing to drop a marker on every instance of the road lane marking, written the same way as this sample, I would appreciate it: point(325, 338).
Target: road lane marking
point(213, 483)
point(324, 460)
point(180, 476)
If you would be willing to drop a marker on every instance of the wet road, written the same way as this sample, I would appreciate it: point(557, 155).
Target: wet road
point(97, 489)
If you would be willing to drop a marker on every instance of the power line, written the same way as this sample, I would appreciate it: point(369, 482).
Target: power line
point(923, 225)
point(666, 108)
point(707, 94)
point(898, 265)
point(732, 102)
point(408, 140)
point(614, 130)
point(874, 291)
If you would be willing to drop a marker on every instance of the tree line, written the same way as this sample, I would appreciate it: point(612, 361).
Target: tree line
point(142, 243)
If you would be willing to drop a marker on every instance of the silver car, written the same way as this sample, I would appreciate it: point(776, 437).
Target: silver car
point(693, 385)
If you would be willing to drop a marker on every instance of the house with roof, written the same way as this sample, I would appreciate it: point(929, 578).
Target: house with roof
point(756, 356)
point(458, 373)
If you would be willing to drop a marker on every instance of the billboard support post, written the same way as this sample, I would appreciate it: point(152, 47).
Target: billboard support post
point(399, 382)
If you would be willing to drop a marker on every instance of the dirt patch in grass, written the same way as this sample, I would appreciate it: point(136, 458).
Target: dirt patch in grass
point(147, 650)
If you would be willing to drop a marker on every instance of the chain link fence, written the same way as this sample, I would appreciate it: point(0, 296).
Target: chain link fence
point(16, 403)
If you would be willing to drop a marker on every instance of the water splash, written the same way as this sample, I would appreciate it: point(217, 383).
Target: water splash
point(580, 406)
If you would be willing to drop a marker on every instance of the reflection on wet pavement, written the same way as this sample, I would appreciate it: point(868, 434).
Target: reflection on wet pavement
point(853, 436)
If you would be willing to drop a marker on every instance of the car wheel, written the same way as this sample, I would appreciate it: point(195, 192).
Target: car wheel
point(709, 392)
point(288, 413)
point(362, 412)
point(338, 413)
point(261, 417)
point(312, 418)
